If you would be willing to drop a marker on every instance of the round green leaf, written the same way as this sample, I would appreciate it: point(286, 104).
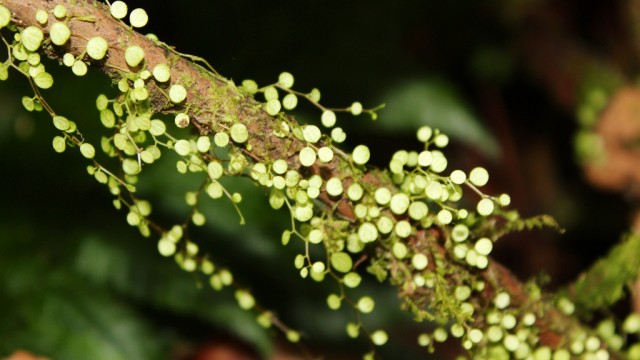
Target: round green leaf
point(286, 80)
point(250, 86)
point(355, 191)
point(334, 187)
point(307, 156)
point(215, 190)
point(290, 101)
point(130, 166)
point(338, 135)
point(203, 144)
point(365, 305)
point(360, 154)
point(270, 93)
point(367, 232)
point(460, 233)
point(79, 68)
point(177, 93)
point(382, 196)
point(403, 228)
point(333, 301)
point(59, 144)
point(4, 72)
point(221, 139)
point(631, 324)
point(133, 55)
point(484, 246)
point(60, 11)
point(102, 102)
point(355, 108)
point(138, 18)
point(502, 300)
point(353, 330)
point(239, 133)
point(147, 157)
point(293, 336)
point(143, 122)
point(399, 203)
point(162, 72)
point(68, 59)
point(97, 47)
point(118, 9)
point(5, 16)
point(399, 250)
point(434, 190)
point(157, 127)
point(272, 107)
point(28, 103)
point(87, 150)
point(166, 247)
point(458, 177)
point(418, 210)
point(182, 147)
point(504, 200)
point(311, 133)
point(42, 17)
point(280, 166)
point(444, 216)
point(328, 118)
point(419, 261)
point(245, 299)
point(182, 120)
point(485, 207)
point(276, 199)
point(379, 337)
point(441, 140)
point(424, 133)
point(385, 225)
point(342, 262)
point(318, 267)
point(479, 176)
point(61, 123)
point(352, 280)
point(31, 38)
point(314, 95)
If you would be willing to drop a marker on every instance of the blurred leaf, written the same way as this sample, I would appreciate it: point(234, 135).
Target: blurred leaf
point(435, 102)
point(606, 281)
point(66, 285)
point(52, 311)
point(139, 272)
point(73, 324)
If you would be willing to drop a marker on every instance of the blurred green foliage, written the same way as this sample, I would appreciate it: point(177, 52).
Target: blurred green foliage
point(608, 280)
point(435, 102)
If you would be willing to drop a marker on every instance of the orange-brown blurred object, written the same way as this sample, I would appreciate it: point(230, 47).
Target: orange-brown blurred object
point(619, 128)
point(230, 350)
point(25, 355)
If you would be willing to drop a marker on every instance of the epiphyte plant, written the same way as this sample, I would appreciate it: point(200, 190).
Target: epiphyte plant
point(411, 220)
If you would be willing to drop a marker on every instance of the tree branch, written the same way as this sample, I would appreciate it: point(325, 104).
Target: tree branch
point(214, 103)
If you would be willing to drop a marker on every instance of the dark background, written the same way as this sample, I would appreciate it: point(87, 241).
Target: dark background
point(77, 282)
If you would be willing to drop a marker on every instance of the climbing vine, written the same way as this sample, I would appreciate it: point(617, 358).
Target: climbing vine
point(417, 224)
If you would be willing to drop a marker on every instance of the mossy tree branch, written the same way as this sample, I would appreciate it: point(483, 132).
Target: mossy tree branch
point(215, 103)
